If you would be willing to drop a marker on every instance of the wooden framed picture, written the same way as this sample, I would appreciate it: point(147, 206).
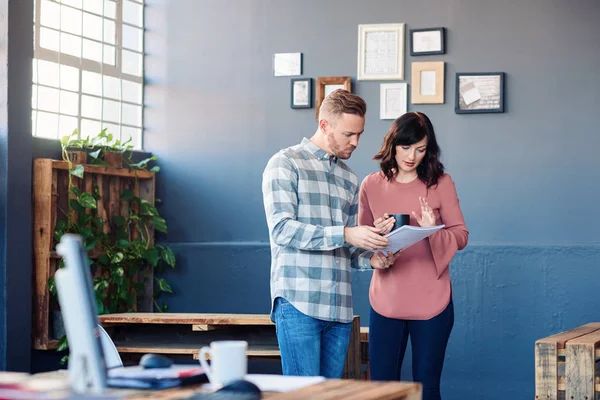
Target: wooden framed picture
point(327, 84)
point(479, 92)
point(425, 42)
point(393, 99)
point(380, 52)
point(301, 93)
point(427, 85)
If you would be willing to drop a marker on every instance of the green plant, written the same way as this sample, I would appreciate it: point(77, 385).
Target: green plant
point(120, 249)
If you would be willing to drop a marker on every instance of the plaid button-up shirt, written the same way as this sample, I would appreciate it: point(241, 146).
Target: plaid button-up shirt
point(309, 198)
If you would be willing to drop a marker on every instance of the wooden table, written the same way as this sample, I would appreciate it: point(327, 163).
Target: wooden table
point(183, 334)
point(332, 389)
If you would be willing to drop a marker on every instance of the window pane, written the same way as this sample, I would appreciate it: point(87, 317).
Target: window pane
point(132, 63)
point(91, 107)
point(112, 128)
point(47, 99)
point(49, 39)
point(132, 115)
point(70, 44)
point(69, 78)
point(90, 128)
point(47, 125)
point(112, 87)
point(34, 71)
point(91, 82)
point(72, 3)
point(111, 111)
point(92, 26)
point(33, 122)
point(66, 125)
point(110, 35)
point(47, 73)
point(50, 14)
point(133, 13)
point(110, 9)
point(132, 91)
point(132, 38)
point(34, 96)
point(94, 6)
point(134, 133)
point(70, 20)
point(69, 103)
point(92, 50)
point(110, 55)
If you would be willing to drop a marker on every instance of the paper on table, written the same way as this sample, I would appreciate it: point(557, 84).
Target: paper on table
point(407, 235)
point(281, 383)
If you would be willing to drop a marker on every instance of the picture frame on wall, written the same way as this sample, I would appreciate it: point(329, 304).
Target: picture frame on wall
point(380, 52)
point(301, 93)
point(287, 64)
point(479, 92)
point(393, 100)
point(327, 84)
point(429, 41)
point(427, 84)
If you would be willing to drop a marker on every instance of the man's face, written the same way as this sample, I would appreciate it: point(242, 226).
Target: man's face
point(343, 133)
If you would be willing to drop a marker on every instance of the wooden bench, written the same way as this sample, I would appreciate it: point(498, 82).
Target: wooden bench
point(565, 364)
point(182, 335)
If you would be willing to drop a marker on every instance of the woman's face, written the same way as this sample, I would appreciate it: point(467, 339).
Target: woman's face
point(408, 157)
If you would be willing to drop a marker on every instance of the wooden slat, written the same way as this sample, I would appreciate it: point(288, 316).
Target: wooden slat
point(350, 389)
point(546, 371)
point(580, 366)
point(364, 334)
point(352, 366)
point(203, 328)
point(146, 190)
point(186, 319)
point(561, 338)
point(98, 169)
point(185, 348)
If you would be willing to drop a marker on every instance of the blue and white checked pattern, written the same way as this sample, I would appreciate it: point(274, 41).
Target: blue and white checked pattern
point(309, 197)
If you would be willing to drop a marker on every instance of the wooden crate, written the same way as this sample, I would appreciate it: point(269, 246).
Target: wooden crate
point(565, 364)
point(182, 335)
point(50, 200)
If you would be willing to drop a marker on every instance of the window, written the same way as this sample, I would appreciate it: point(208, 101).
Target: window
point(88, 68)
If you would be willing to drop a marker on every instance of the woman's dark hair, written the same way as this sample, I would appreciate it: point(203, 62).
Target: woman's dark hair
point(406, 130)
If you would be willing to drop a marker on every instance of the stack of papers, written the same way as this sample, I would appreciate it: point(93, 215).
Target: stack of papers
point(154, 378)
point(407, 235)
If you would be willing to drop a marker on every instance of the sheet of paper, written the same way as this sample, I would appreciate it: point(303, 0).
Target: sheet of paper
point(470, 94)
point(407, 235)
point(281, 383)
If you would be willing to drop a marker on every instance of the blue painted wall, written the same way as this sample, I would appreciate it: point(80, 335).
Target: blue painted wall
point(527, 179)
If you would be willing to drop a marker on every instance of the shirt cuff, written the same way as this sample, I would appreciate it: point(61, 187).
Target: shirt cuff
point(364, 260)
point(334, 236)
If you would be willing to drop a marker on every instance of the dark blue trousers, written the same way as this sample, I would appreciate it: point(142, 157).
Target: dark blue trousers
point(387, 344)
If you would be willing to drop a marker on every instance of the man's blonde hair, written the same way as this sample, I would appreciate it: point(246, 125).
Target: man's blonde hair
point(341, 101)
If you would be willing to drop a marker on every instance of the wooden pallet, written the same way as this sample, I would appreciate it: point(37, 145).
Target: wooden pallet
point(565, 364)
point(182, 335)
point(50, 199)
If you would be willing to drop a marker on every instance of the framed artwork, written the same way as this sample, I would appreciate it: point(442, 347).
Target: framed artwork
point(327, 84)
point(427, 85)
point(393, 99)
point(287, 64)
point(425, 42)
point(301, 93)
point(480, 92)
point(380, 52)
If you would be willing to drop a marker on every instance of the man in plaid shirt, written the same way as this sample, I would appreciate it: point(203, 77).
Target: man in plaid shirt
point(311, 203)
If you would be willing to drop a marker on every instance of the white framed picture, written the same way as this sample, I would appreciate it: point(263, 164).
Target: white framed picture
point(393, 100)
point(287, 64)
point(380, 51)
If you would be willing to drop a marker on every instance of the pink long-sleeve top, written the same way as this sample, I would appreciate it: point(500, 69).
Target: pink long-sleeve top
point(417, 286)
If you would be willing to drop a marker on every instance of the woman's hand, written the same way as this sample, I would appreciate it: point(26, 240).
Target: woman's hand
point(385, 223)
point(427, 216)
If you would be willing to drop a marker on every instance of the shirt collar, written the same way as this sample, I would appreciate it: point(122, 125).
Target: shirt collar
point(319, 152)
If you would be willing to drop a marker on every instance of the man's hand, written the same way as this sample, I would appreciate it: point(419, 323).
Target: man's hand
point(379, 261)
point(365, 237)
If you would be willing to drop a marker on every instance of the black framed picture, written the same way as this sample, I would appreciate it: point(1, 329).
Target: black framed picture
point(301, 93)
point(479, 92)
point(425, 42)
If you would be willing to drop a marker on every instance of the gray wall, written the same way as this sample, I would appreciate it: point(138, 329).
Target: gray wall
point(527, 179)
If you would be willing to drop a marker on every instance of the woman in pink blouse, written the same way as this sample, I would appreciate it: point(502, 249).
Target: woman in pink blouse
point(414, 296)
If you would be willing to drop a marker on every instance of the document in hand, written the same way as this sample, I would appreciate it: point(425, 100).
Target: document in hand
point(407, 235)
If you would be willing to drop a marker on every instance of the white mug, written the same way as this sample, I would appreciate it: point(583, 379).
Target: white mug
point(229, 361)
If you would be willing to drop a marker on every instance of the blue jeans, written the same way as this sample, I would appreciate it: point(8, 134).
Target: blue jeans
point(387, 343)
point(310, 346)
